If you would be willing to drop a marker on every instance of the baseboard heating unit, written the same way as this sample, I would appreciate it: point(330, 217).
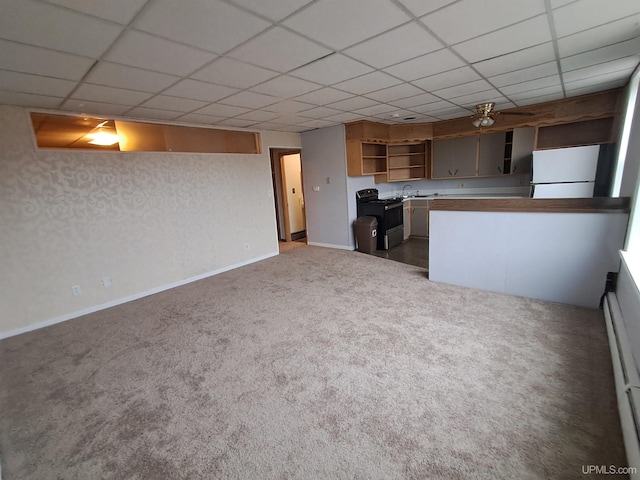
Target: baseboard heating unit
point(626, 301)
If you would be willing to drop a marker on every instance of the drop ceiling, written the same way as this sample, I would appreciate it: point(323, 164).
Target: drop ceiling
point(297, 65)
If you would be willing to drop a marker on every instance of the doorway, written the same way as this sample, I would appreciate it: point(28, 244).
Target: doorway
point(286, 173)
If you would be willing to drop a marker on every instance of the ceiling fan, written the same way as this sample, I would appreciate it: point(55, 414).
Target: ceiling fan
point(484, 114)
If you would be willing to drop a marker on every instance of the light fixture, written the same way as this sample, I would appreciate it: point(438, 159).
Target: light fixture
point(103, 135)
point(483, 117)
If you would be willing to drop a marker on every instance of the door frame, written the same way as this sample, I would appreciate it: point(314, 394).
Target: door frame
point(281, 203)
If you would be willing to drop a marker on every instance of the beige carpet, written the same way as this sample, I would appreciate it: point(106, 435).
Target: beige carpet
point(315, 364)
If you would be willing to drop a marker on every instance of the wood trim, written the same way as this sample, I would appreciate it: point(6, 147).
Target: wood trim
point(541, 205)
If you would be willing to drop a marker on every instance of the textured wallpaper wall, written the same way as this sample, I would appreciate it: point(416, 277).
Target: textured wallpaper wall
point(145, 220)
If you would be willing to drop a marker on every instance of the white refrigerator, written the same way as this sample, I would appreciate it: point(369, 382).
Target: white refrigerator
point(565, 172)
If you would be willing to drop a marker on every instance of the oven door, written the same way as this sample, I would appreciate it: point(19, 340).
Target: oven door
point(393, 216)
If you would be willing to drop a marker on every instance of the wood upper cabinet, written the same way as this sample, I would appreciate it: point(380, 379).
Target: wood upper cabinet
point(491, 154)
point(455, 157)
point(366, 158)
point(407, 161)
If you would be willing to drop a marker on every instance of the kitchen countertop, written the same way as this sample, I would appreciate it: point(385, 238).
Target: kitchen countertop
point(470, 196)
point(525, 204)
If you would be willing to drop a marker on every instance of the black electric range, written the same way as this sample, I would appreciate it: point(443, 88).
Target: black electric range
point(388, 212)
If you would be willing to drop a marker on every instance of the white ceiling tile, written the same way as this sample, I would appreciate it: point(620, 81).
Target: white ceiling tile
point(600, 55)
point(275, 10)
point(26, 83)
point(200, 119)
point(212, 24)
point(131, 78)
point(230, 72)
point(94, 108)
point(472, 99)
point(472, 18)
point(164, 102)
point(620, 76)
point(415, 100)
point(368, 83)
point(339, 24)
point(258, 116)
point(394, 46)
point(447, 79)
point(517, 60)
point(249, 100)
point(207, 92)
point(344, 117)
point(280, 50)
point(550, 81)
point(465, 88)
point(420, 7)
point(525, 74)
point(288, 106)
point(353, 103)
point(441, 105)
point(218, 110)
point(28, 100)
point(603, 35)
point(332, 69)
point(120, 11)
point(540, 99)
point(320, 112)
point(30, 22)
point(560, 3)
point(139, 49)
point(318, 124)
point(290, 120)
point(150, 113)
point(40, 61)
point(119, 96)
point(324, 96)
point(598, 87)
point(285, 87)
point(579, 16)
point(619, 65)
point(506, 40)
point(234, 122)
point(397, 92)
point(375, 109)
point(426, 65)
point(518, 98)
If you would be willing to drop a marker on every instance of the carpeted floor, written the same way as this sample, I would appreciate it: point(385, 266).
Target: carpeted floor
point(315, 364)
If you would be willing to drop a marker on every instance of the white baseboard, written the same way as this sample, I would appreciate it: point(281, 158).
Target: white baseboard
point(130, 298)
point(330, 245)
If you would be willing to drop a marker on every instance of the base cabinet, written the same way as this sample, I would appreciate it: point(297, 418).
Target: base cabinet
point(419, 218)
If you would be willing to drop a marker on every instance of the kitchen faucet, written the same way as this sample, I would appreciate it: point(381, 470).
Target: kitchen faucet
point(403, 195)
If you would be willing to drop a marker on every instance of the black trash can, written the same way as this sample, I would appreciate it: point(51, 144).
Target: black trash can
point(366, 234)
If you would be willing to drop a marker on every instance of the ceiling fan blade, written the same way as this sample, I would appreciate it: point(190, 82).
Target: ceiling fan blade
point(515, 113)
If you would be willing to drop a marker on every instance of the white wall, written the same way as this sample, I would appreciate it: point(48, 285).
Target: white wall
point(145, 220)
point(560, 257)
point(324, 165)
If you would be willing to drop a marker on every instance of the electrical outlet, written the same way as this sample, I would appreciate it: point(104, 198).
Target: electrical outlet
point(246, 246)
point(76, 290)
point(316, 188)
point(461, 185)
